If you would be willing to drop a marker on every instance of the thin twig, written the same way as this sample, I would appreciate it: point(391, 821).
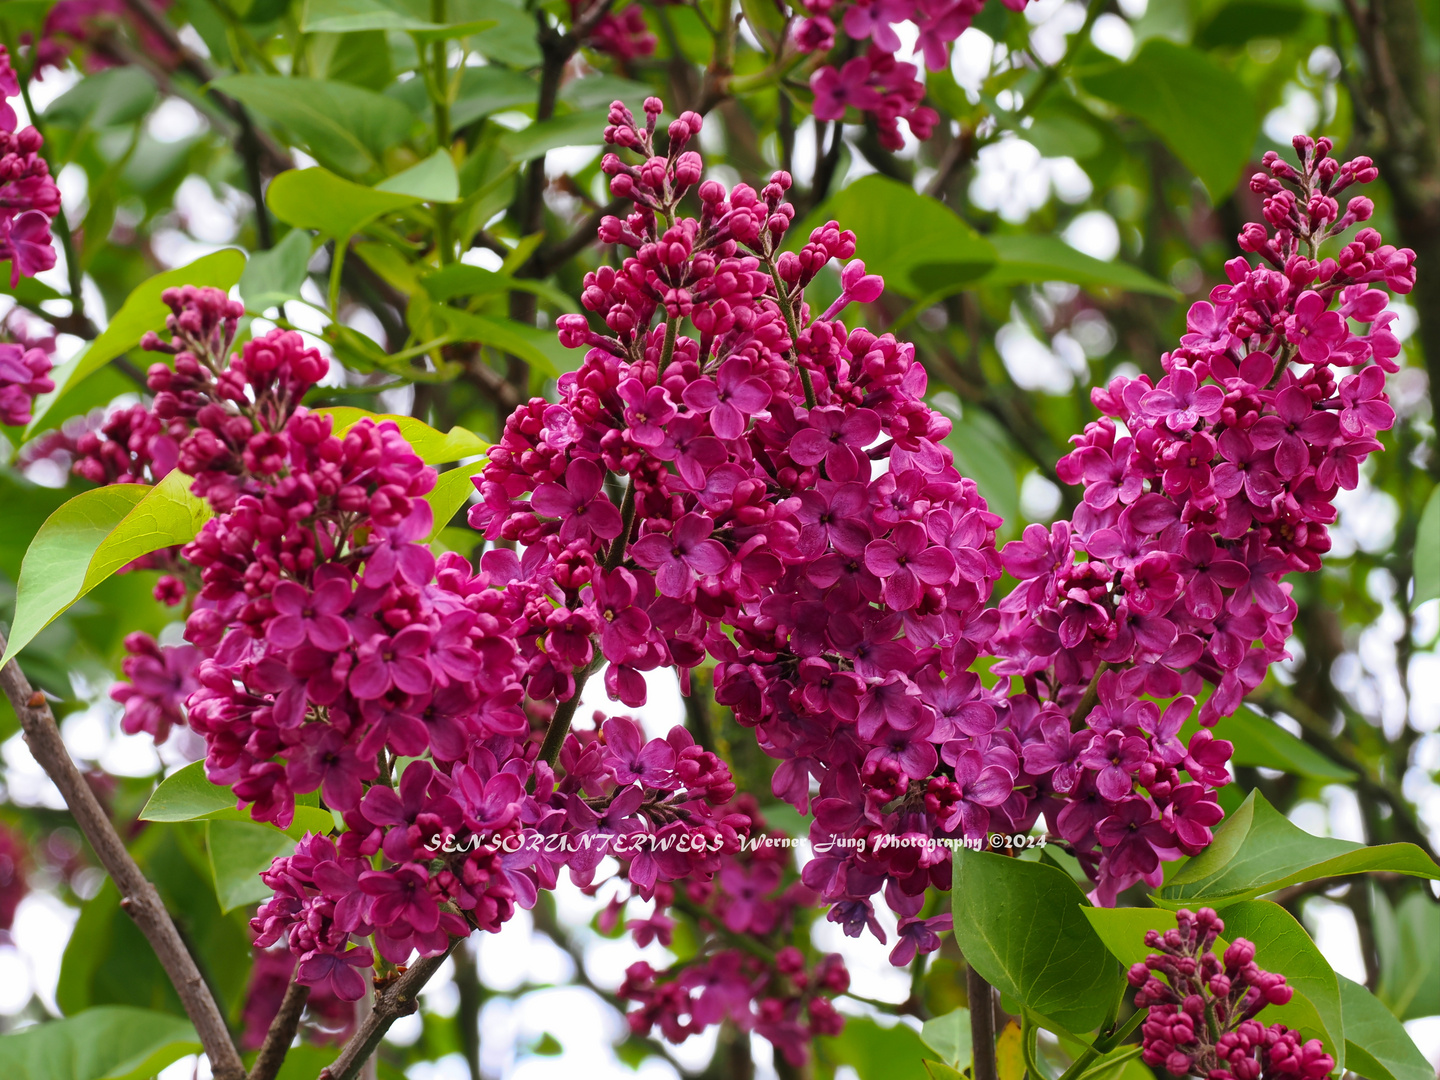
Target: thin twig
point(982, 1024)
point(281, 1034)
point(400, 998)
point(139, 898)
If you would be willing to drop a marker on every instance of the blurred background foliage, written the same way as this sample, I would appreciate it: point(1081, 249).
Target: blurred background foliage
point(1084, 185)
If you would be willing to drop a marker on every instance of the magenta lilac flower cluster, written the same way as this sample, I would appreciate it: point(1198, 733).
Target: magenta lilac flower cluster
point(783, 478)
point(14, 883)
point(770, 988)
point(874, 81)
point(328, 1019)
point(1202, 491)
point(1201, 1013)
point(623, 34)
point(28, 197)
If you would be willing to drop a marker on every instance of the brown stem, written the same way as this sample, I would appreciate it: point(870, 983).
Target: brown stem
point(982, 1025)
point(139, 898)
point(400, 998)
point(281, 1034)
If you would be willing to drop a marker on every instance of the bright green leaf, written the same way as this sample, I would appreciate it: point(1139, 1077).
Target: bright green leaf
point(346, 127)
point(433, 447)
point(1257, 850)
point(119, 95)
point(949, 1036)
point(1202, 112)
point(318, 199)
point(918, 245)
point(433, 180)
point(112, 1042)
point(187, 795)
point(1407, 938)
point(239, 851)
point(91, 537)
point(347, 16)
point(1020, 925)
point(1377, 1045)
point(143, 310)
point(275, 276)
point(875, 1051)
point(1427, 552)
point(1034, 258)
point(450, 493)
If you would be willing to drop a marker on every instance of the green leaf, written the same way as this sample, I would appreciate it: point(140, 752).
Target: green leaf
point(918, 245)
point(317, 199)
point(347, 16)
point(1260, 741)
point(107, 961)
point(91, 537)
point(1427, 552)
point(875, 1051)
point(27, 288)
point(113, 1042)
point(120, 95)
point(433, 180)
point(598, 91)
point(1407, 938)
point(949, 1036)
point(1281, 944)
point(433, 447)
point(346, 127)
point(1202, 112)
point(451, 491)
point(1027, 258)
point(540, 348)
point(143, 310)
point(1240, 21)
point(187, 795)
point(462, 279)
point(1377, 1045)
point(275, 276)
point(1021, 925)
point(574, 129)
point(239, 850)
point(1258, 850)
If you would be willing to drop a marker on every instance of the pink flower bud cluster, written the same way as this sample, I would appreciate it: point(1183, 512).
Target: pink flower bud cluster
point(24, 376)
point(622, 34)
point(28, 197)
point(876, 82)
point(1202, 491)
point(92, 25)
point(772, 988)
point(792, 488)
point(1201, 1013)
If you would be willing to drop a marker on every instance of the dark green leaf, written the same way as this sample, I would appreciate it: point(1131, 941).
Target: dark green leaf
point(981, 449)
point(574, 129)
point(1021, 925)
point(1257, 850)
point(239, 850)
point(115, 1042)
point(1032, 258)
point(143, 310)
point(875, 1051)
point(533, 345)
point(919, 245)
point(318, 199)
point(1377, 1045)
point(1427, 552)
point(107, 961)
point(346, 127)
point(1240, 21)
point(1260, 741)
point(598, 91)
point(275, 276)
point(1202, 112)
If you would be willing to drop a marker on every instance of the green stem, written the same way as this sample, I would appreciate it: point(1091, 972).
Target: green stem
point(439, 85)
point(782, 296)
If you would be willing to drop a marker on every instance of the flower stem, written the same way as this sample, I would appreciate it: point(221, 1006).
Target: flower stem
point(783, 297)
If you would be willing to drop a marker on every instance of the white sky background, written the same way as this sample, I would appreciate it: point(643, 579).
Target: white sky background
point(1012, 179)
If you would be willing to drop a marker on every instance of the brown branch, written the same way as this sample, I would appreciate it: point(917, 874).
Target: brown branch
point(139, 898)
point(281, 1033)
point(399, 998)
point(982, 1024)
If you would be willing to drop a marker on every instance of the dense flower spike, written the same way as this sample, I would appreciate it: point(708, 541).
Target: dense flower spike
point(1201, 493)
point(876, 82)
point(1201, 1009)
point(28, 197)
